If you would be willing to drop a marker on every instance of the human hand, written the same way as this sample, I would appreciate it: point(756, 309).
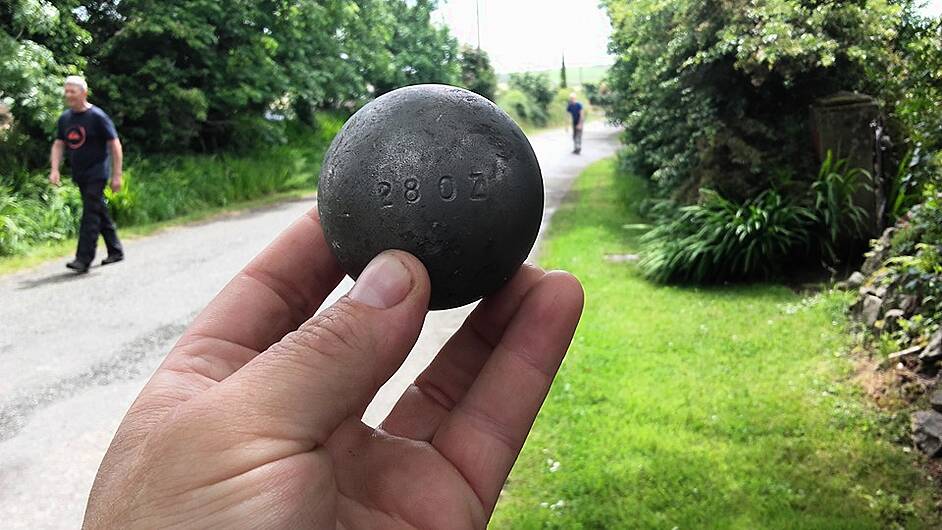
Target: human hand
point(55, 178)
point(253, 419)
point(116, 183)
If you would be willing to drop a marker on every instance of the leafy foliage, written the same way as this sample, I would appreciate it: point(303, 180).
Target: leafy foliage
point(477, 74)
point(834, 192)
point(200, 74)
point(715, 94)
point(162, 187)
point(38, 47)
point(912, 268)
point(241, 83)
point(421, 52)
point(718, 239)
point(529, 98)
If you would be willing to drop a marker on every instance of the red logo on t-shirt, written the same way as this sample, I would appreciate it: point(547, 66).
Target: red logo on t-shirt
point(75, 137)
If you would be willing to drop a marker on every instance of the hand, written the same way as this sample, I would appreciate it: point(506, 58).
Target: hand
point(55, 178)
point(253, 419)
point(116, 183)
point(579, 127)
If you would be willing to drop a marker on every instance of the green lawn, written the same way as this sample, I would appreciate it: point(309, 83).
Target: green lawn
point(689, 408)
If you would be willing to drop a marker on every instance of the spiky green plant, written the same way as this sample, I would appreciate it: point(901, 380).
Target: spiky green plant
point(718, 239)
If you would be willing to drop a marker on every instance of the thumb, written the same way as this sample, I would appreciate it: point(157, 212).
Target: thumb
point(306, 385)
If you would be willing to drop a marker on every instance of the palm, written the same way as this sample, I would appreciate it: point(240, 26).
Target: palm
point(248, 423)
point(397, 472)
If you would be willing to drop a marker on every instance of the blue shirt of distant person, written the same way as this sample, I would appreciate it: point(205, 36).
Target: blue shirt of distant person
point(95, 154)
point(578, 120)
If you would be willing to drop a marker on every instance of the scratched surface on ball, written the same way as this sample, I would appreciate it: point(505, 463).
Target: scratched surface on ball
point(439, 172)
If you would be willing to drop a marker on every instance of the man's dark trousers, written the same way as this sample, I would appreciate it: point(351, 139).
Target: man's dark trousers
point(95, 221)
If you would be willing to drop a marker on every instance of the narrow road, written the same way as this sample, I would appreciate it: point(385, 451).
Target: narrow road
point(76, 350)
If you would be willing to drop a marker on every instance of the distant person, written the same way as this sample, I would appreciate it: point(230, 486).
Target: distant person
point(92, 141)
point(578, 120)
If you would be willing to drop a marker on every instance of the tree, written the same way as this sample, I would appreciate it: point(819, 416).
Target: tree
point(562, 74)
point(191, 73)
point(477, 74)
point(716, 93)
point(202, 74)
point(330, 49)
point(421, 52)
point(537, 86)
point(538, 95)
point(39, 40)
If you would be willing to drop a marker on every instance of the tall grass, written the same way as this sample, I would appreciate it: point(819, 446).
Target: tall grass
point(159, 188)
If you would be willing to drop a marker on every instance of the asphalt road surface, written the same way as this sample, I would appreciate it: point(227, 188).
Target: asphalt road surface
point(76, 350)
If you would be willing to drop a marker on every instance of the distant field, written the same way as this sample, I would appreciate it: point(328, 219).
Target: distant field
point(575, 75)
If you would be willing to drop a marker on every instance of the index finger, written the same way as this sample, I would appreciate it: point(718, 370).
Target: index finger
point(274, 294)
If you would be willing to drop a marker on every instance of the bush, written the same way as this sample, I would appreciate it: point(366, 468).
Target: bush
point(839, 217)
point(25, 221)
point(716, 94)
point(477, 74)
point(718, 239)
point(521, 107)
point(163, 187)
point(529, 113)
point(537, 86)
point(905, 272)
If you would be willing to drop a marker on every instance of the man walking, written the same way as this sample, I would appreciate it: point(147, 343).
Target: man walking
point(90, 137)
point(578, 119)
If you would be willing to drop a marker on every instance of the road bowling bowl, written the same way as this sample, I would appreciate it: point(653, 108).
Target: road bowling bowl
point(439, 172)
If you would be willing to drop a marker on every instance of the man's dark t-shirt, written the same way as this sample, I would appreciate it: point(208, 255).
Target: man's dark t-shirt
point(86, 135)
point(576, 110)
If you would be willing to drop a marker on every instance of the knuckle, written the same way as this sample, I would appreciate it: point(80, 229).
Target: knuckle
point(334, 334)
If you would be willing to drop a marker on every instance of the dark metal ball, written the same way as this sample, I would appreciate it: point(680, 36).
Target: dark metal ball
point(441, 173)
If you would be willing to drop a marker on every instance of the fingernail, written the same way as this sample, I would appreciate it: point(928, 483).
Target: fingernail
point(384, 282)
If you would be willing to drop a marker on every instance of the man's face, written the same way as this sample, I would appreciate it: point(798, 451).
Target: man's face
point(572, 98)
point(74, 95)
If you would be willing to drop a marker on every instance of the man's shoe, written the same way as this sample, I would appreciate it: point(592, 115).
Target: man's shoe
point(77, 266)
point(112, 259)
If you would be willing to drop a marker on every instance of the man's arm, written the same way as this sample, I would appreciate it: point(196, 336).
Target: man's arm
point(117, 160)
point(581, 118)
point(55, 160)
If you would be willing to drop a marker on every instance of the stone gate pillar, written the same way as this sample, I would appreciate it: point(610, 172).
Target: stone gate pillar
point(850, 125)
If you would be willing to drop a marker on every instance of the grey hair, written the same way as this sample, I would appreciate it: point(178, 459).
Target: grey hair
point(78, 81)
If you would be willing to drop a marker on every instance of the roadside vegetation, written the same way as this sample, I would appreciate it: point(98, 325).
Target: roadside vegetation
point(212, 110)
point(533, 102)
point(715, 103)
point(717, 124)
point(712, 407)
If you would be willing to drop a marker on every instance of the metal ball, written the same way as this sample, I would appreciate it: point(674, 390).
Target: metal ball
point(441, 173)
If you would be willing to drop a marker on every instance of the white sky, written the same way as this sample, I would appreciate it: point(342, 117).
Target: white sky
point(521, 35)
point(933, 8)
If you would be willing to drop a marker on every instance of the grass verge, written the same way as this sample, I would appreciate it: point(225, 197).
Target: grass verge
point(38, 223)
point(728, 407)
point(65, 248)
